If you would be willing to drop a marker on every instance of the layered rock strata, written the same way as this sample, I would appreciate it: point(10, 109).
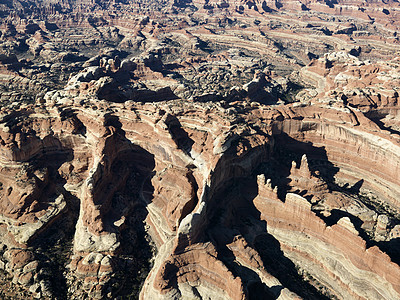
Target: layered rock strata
point(189, 150)
point(99, 167)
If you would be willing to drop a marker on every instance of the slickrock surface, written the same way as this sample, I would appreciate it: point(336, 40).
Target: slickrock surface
point(199, 149)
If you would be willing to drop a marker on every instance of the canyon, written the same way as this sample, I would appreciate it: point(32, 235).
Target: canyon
point(199, 149)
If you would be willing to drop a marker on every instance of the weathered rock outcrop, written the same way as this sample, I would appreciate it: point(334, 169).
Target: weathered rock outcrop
point(107, 159)
point(199, 149)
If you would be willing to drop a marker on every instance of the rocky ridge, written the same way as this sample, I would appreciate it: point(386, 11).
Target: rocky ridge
point(203, 158)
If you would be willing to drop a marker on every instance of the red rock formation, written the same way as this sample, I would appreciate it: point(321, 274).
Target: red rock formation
point(131, 136)
point(295, 225)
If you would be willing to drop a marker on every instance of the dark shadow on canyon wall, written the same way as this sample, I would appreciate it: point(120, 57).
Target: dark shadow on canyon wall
point(285, 151)
point(119, 89)
point(278, 265)
point(53, 247)
point(391, 248)
point(132, 262)
point(254, 287)
point(229, 219)
point(133, 259)
point(288, 149)
point(377, 117)
point(178, 134)
point(233, 215)
point(53, 243)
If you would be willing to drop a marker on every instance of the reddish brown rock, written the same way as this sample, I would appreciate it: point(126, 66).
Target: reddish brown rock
point(131, 137)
